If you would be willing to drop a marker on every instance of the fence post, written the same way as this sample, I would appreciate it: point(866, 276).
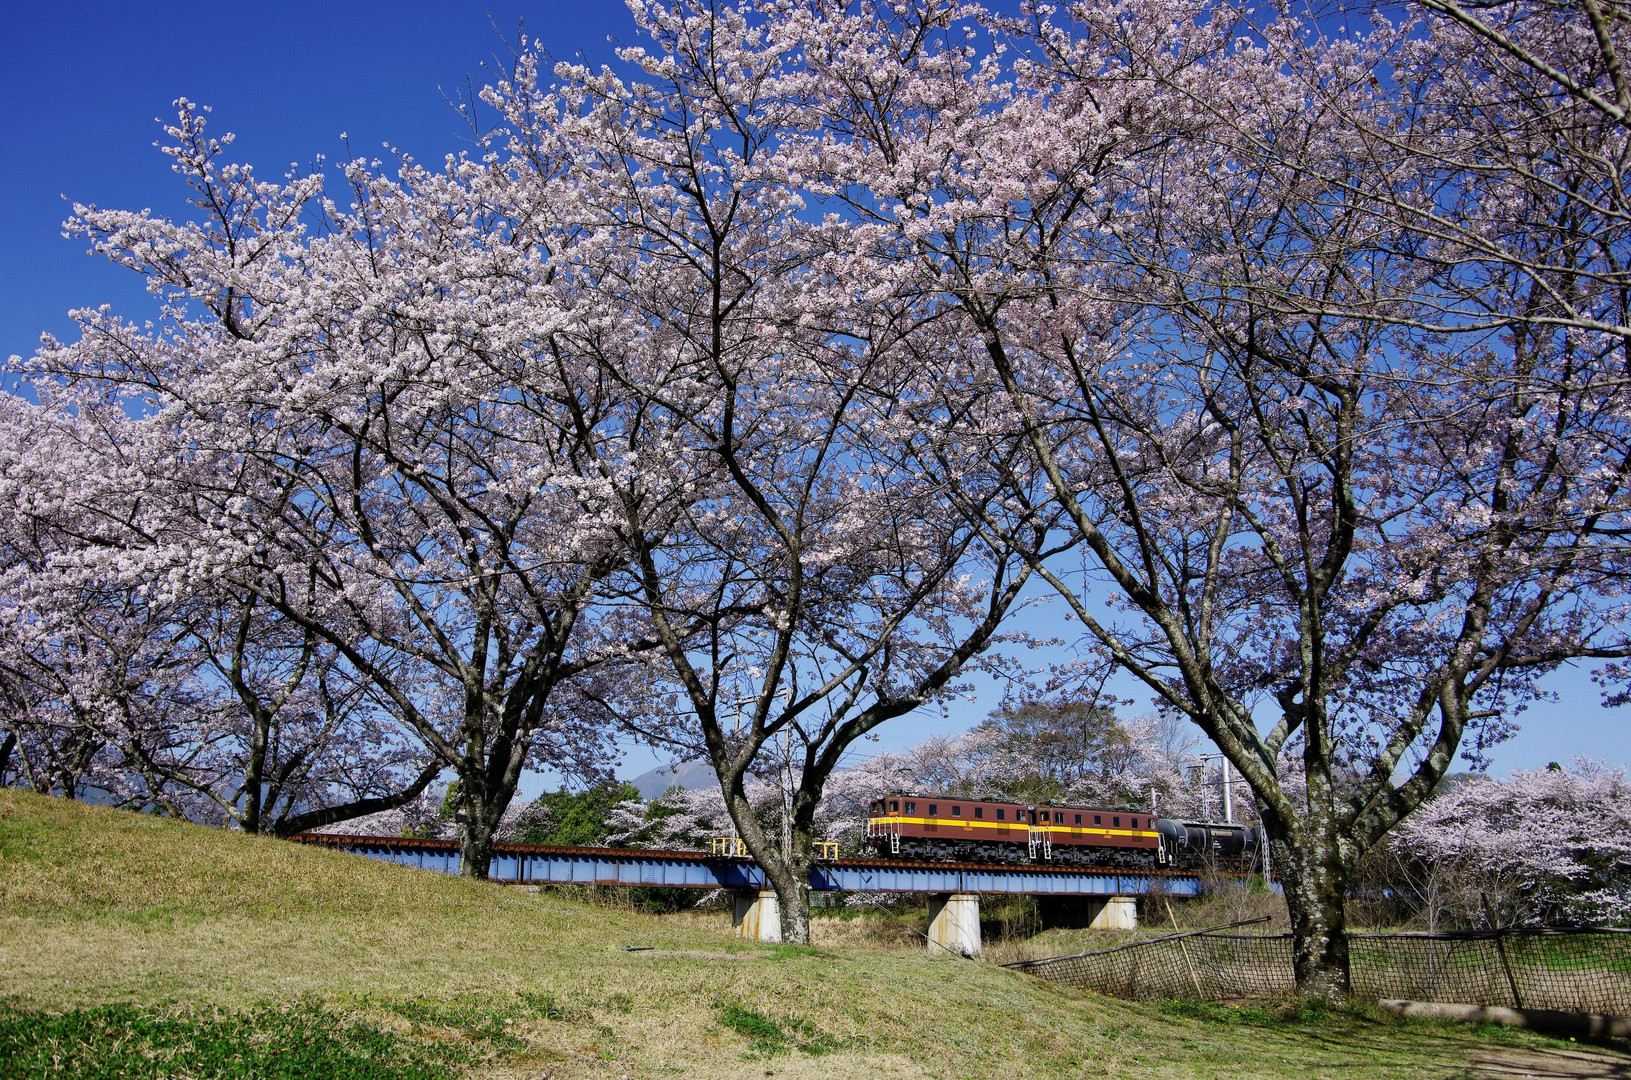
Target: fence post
point(1183, 947)
point(1500, 947)
point(1500, 950)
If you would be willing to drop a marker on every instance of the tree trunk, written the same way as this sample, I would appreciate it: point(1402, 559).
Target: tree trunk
point(255, 771)
point(475, 846)
point(1316, 899)
point(483, 803)
point(788, 873)
point(791, 880)
point(485, 794)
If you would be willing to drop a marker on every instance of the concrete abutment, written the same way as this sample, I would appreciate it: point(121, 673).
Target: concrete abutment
point(954, 918)
point(757, 915)
point(954, 925)
point(1112, 912)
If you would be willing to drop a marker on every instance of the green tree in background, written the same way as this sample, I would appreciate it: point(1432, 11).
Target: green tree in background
point(1062, 743)
point(574, 818)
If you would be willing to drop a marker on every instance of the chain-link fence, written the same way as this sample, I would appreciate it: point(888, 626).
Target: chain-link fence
point(1571, 970)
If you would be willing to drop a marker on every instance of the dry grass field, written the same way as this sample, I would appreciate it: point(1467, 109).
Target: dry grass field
point(132, 946)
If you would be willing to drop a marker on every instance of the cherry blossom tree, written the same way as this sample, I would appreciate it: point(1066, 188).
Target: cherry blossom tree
point(419, 818)
point(191, 702)
point(366, 441)
point(1302, 494)
point(818, 581)
point(737, 392)
point(687, 819)
point(1546, 845)
point(303, 742)
point(59, 661)
point(73, 687)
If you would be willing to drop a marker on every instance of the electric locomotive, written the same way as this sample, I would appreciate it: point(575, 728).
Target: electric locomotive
point(944, 829)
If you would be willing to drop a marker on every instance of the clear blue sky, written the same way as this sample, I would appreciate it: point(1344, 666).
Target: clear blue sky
point(1575, 725)
point(85, 83)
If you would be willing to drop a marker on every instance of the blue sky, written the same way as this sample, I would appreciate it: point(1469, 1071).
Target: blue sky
point(86, 82)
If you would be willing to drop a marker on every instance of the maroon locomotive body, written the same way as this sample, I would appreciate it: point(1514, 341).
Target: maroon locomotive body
point(981, 830)
point(936, 827)
point(1112, 835)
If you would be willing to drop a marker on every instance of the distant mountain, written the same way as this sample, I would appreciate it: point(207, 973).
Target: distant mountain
point(687, 774)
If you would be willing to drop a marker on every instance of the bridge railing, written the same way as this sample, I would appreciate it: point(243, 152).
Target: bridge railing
point(734, 847)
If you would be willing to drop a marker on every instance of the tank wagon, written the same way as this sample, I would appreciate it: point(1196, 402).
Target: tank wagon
point(941, 828)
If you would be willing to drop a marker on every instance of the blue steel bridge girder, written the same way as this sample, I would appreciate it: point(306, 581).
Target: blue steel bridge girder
point(531, 864)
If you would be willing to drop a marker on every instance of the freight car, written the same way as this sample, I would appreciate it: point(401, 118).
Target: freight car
point(937, 827)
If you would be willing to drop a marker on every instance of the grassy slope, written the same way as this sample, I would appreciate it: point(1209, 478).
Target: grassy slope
point(100, 907)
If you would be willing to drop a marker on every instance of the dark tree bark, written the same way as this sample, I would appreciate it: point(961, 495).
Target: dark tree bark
point(292, 824)
point(6, 748)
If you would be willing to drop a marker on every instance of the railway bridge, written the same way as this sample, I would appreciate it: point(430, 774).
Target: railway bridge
point(1109, 894)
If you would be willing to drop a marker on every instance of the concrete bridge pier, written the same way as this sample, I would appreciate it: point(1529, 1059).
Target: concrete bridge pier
point(1112, 913)
point(954, 925)
point(757, 915)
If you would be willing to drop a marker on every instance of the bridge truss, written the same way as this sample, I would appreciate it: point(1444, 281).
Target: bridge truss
point(540, 864)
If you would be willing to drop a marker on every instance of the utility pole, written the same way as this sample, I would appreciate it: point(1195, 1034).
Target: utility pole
point(1228, 787)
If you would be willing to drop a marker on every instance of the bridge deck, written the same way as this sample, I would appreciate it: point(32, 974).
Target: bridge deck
point(541, 864)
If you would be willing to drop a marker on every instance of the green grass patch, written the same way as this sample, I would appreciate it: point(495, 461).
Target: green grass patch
point(1290, 1013)
point(1293, 1018)
point(768, 1037)
point(1571, 954)
point(1211, 1012)
point(492, 1022)
point(126, 1042)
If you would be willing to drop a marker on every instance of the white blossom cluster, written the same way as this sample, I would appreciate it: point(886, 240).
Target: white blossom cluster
point(1543, 845)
